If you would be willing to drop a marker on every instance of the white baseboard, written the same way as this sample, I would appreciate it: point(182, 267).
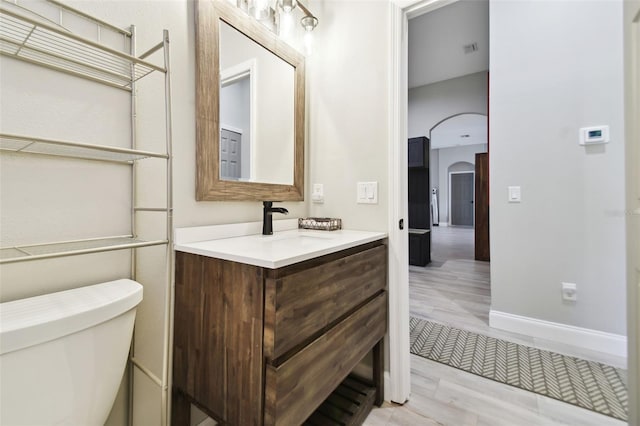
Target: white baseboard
point(609, 343)
point(443, 223)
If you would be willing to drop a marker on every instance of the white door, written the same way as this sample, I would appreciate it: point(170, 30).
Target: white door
point(461, 198)
point(230, 158)
point(632, 112)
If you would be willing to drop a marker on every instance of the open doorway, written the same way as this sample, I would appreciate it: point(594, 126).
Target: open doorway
point(459, 391)
point(448, 105)
point(457, 141)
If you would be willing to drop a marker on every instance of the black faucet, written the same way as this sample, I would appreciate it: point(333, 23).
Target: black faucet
point(267, 211)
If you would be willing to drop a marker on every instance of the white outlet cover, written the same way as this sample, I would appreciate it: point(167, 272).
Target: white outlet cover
point(569, 292)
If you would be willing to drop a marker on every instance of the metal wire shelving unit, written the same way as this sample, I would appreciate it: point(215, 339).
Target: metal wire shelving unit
point(46, 45)
point(30, 36)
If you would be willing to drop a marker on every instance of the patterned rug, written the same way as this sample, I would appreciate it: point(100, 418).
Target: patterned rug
point(591, 385)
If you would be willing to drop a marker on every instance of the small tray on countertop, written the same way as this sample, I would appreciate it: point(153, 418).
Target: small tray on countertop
point(320, 223)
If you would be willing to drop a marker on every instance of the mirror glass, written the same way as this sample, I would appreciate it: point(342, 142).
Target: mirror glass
point(256, 111)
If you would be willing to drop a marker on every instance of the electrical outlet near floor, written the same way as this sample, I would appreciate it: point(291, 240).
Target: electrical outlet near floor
point(569, 292)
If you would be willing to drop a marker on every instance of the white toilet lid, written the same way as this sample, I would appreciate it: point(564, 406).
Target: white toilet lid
point(35, 320)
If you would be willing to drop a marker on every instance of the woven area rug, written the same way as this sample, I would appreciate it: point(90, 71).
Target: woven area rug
point(591, 385)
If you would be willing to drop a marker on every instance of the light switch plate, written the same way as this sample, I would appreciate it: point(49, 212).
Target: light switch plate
point(515, 194)
point(367, 193)
point(317, 194)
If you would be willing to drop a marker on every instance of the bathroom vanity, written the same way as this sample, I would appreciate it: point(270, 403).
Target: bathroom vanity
point(268, 327)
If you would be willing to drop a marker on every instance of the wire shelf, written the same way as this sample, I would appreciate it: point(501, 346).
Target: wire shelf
point(43, 44)
point(25, 144)
point(72, 248)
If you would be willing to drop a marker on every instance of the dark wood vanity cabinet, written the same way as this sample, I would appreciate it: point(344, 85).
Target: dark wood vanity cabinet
point(256, 346)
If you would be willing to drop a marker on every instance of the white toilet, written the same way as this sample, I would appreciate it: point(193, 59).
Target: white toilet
point(62, 355)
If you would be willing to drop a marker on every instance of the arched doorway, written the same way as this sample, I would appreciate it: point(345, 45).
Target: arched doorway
point(456, 142)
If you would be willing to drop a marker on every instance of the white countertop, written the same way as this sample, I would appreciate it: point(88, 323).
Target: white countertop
point(283, 248)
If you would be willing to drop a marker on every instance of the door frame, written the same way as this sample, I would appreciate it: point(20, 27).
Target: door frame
point(473, 191)
point(631, 30)
point(399, 376)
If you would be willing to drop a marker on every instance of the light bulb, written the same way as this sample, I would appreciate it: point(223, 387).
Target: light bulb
point(309, 23)
point(286, 25)
point(288, 5)
point(308, 43)
point(260, 9)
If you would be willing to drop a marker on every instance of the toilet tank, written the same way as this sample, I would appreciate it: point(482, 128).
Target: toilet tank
point(62, 355)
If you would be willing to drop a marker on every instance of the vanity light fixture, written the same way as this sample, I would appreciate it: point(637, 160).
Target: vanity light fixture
point(277, 17)
point(261, 8)
point(308, 21)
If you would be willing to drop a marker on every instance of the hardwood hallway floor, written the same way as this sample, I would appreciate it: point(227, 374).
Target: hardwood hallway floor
point(455, 290)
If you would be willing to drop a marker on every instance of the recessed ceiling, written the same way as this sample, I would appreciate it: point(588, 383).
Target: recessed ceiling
point(437, 42)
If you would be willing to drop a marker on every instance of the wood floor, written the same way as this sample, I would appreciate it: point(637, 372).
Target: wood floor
point(455, 290)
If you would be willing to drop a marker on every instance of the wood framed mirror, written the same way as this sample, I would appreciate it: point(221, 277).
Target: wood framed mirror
point(250, 109)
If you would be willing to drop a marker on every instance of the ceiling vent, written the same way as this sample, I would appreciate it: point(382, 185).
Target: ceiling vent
point(470, 48)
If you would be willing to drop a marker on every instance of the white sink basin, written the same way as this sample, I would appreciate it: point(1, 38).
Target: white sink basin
point(281, 249)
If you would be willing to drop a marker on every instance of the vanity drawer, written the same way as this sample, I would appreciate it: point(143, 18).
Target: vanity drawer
point(297, 387)
point(300, 305)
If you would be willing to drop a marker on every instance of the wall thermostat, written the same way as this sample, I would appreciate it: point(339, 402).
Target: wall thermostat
point(594, 135)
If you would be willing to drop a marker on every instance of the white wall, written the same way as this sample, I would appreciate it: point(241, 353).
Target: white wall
point(348, 109)
point(545, 85)
point(432, 103)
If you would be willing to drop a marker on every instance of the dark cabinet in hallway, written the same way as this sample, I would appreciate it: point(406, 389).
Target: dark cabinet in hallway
point(419, 202)
point(419, 152)
point(419, 247)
